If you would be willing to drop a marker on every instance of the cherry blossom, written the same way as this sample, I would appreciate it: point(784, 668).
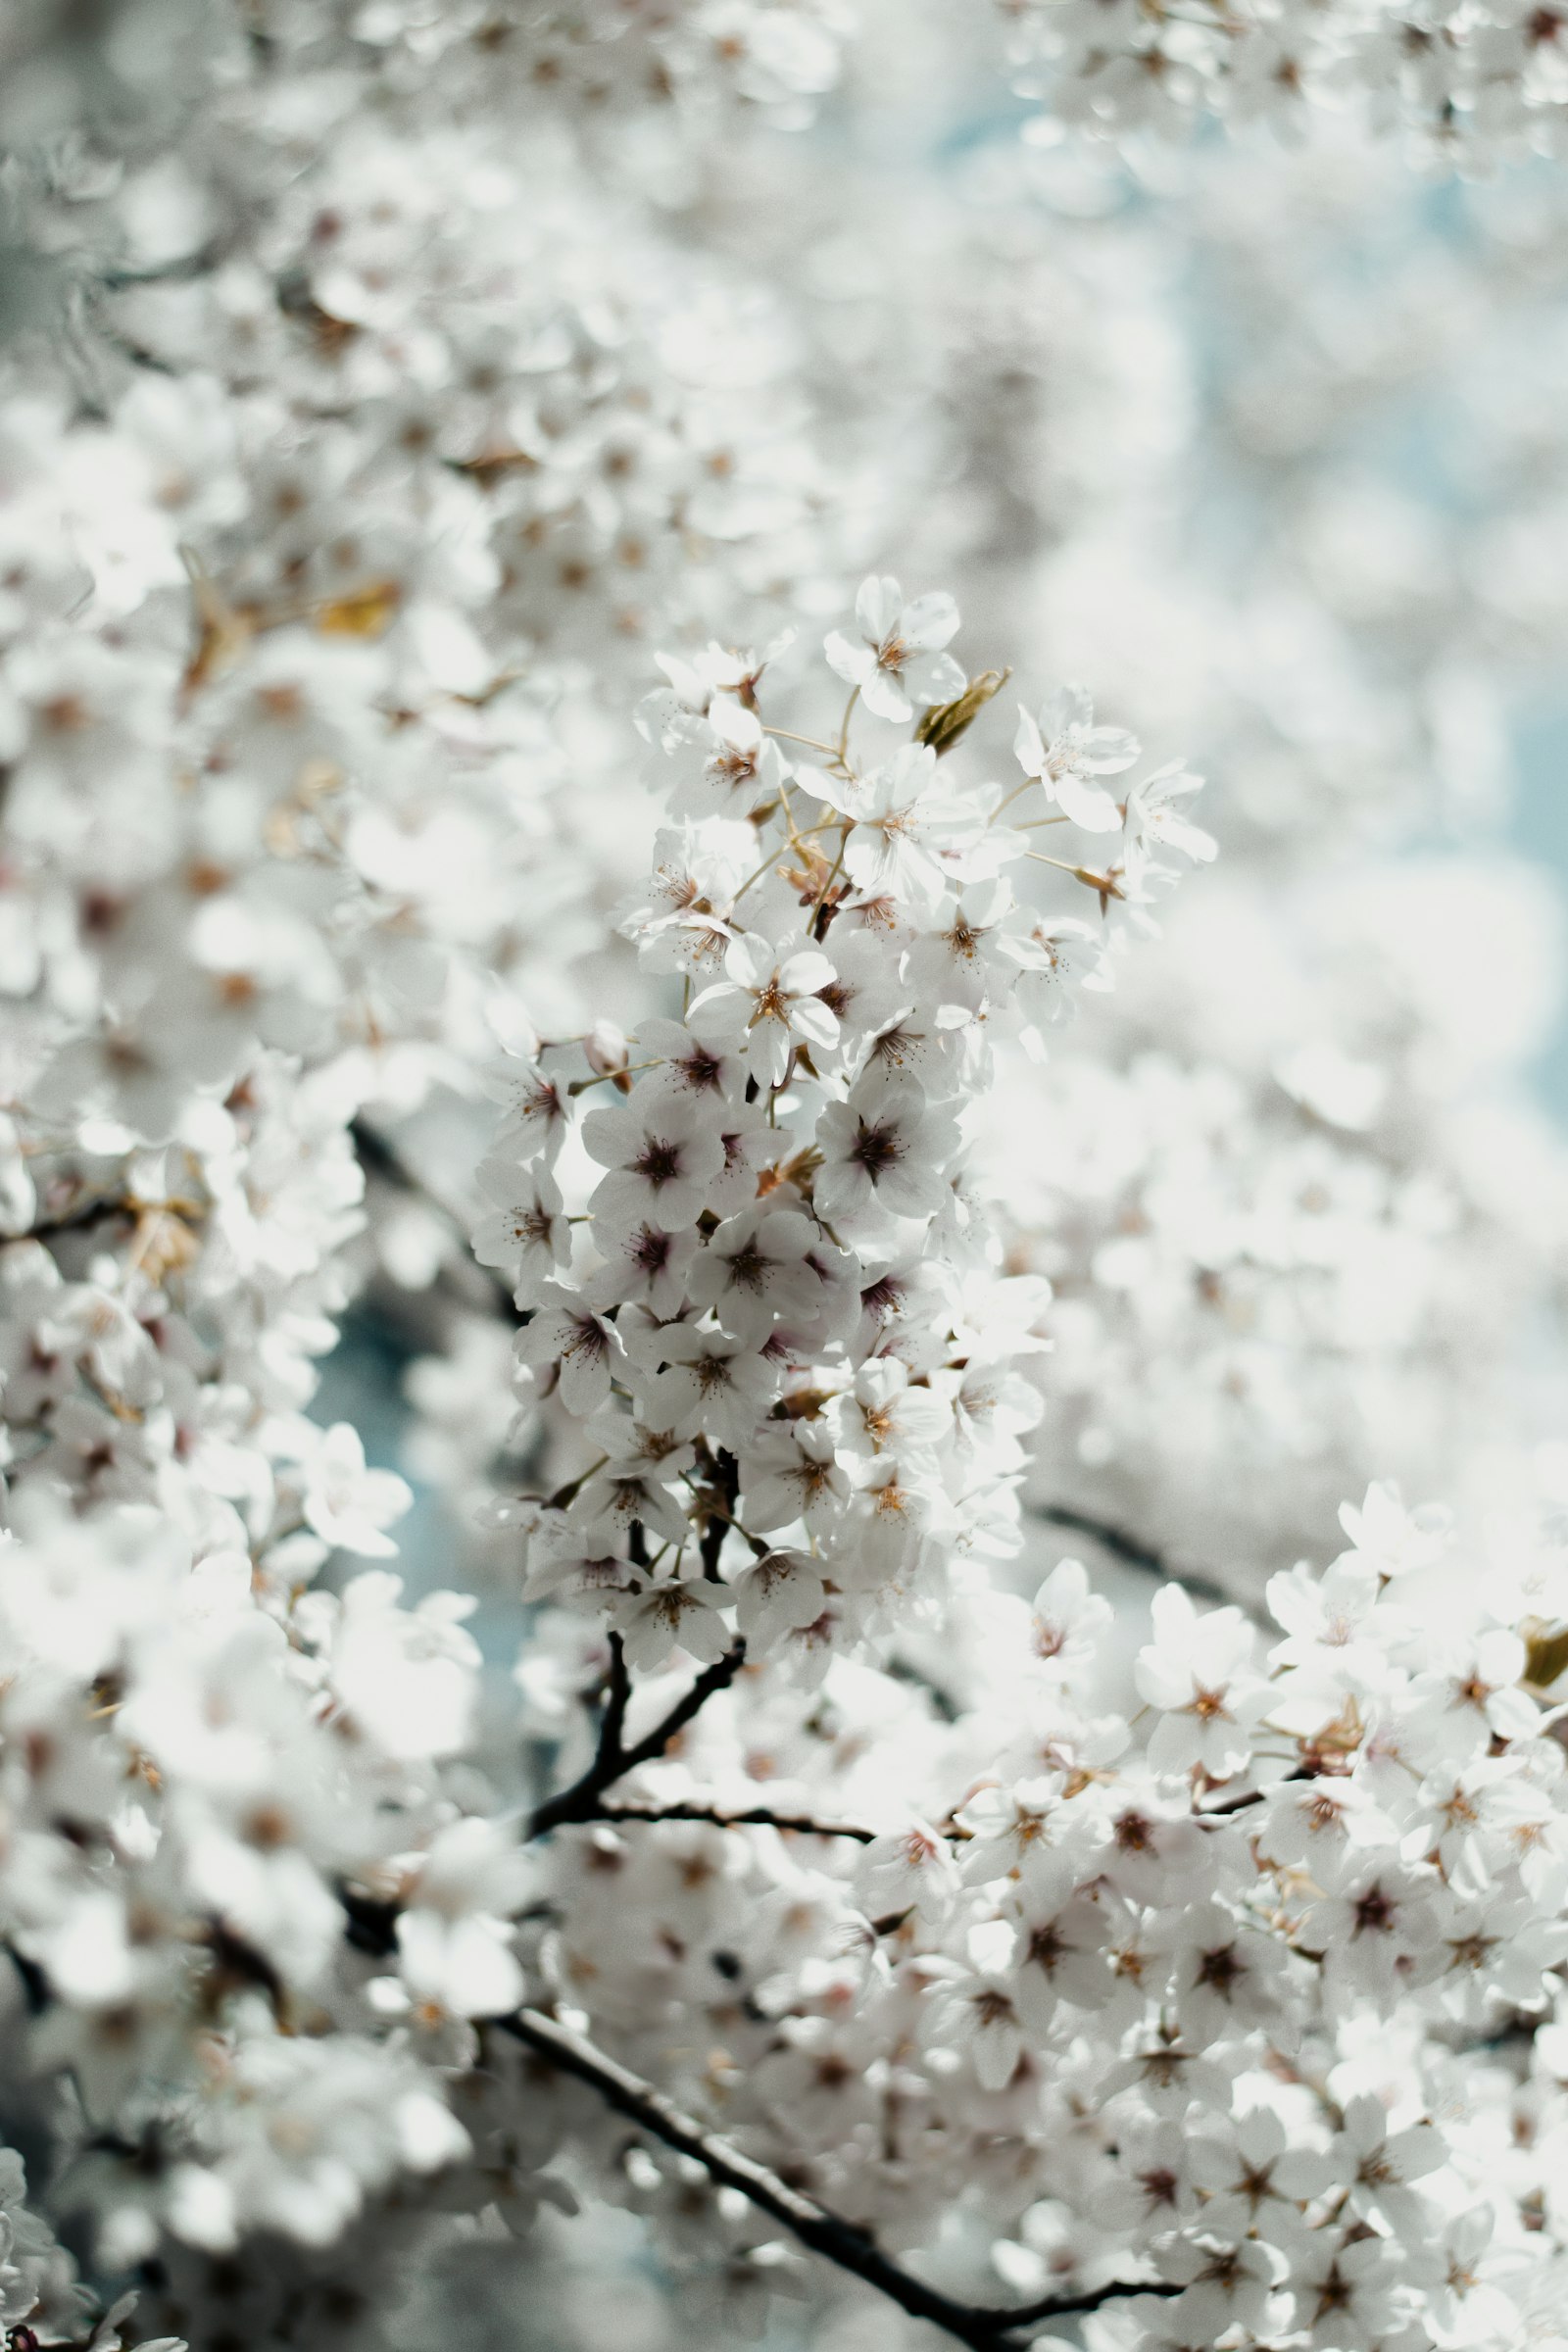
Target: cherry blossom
point(898, 664)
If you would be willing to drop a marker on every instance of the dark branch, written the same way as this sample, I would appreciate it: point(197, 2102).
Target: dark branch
point(81, 1213)
point(34, 1984)
point(842, 2243)
point(799, 1825)
point(141, 355)
point(1129, 1549)
point(187, 265)
point(712, 1678)
point(905, 1670)
point(721, 1516)
point(612, 1729)
point(580, 1802)
point(379, 1157)
point(1305, 1770)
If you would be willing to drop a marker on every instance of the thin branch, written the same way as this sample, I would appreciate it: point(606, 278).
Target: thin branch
point(35, 1990)
point(380, 1157)
point(1130, 1550)
point(800, 1825)
point(905, 1670)
point(842, 2243)
point(719, 1521)
point(712, 1678)
point(1252, 1797)
point(612, 1732)
point(580, 1802)
point(92, 1211)
point(188, 266)
point(141, 355)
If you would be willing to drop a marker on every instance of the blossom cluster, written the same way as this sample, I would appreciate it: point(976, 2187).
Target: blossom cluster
point(382, 383)
point(1467, 84)
point(789, 1323)
point(1236, 1980)
point(1241, 1273)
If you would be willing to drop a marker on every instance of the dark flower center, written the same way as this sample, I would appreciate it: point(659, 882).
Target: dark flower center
point(658, 1163)
point(877, 1149)
point(1374, 1910)
point(651, 1250)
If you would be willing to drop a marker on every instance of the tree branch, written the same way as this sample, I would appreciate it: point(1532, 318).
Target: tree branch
point(840, 2242)
point(380, 1157)
point(94, 1209)
point(612, 1729)
point(800, 1825)
point(117, 280)
point(580, 1802)
point(1130, 1550)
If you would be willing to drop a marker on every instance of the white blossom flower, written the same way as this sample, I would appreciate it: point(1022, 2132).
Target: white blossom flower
point(899, 663)
point(406, 1678)
point(1254, 2179)
point(910, 1868)
point(732, 766)
point(461, 1967)
point(1199, 1671)
point(527, 1234)
point(1154, 818)
point(1068, 1622)
point(662, 1155)
point(711, 1383)
point(581, 1344)
point(783, 1591)
point(643, 1265)
point(347, 1504)
point(903, 828)
point(769, 1004)
point(680, 1613)
point(883, 1412)
point(1064, 748)
point(980, 2016)
point(794, 1474)
point(753, 1269)
point(883, 1149)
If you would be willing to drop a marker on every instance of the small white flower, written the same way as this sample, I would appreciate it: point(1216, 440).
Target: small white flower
point(1199, 1672)
point(793, 1474)
point(781, 1593)
point(729, 765)
point(752, 1269)
point(535, 1118)
point(769, 1004)
point(674, 1614)
point(582, 1345)
point(1068, 1622)
point(1068, 752)
point(886, 1150)
point(714, 1384)
point(662, 1155)
point(909, 1869)
point(898, 663)
point(527, 1236)
point(906, 827)
point(1155, 818)
point(349, 1505)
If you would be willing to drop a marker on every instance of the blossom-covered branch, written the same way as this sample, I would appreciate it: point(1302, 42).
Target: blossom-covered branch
point(839, 2241)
